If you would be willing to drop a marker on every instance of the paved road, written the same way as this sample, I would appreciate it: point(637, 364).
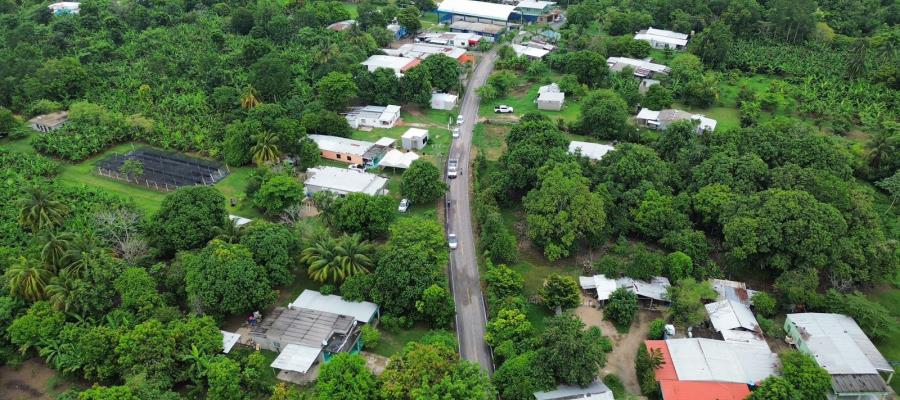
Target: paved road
point(470, 312)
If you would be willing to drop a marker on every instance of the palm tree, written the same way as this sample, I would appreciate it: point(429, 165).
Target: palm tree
point(354, 255)
point(198, 363)
point(250, 98)
point(40, 210)
point(265, 151)
point(880, 147)
point(335, 260)
point(322, 259)
point(54, 249)
point(229, 233)
point(656, 359)
point(26, 278)
point(61, 291)
point(81, 251)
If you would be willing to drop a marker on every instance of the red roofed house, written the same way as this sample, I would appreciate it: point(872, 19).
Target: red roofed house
point(672, 388)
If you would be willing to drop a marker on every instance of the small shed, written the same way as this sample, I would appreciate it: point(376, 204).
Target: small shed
point(443, 101)
point(550, 97)
point(49, 122)
point(415, 138)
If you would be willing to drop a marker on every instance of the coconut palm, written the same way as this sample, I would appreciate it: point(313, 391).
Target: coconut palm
point(60, 291)
point(54, 249)
point(322, 259)
point(81, 251)
point(354, 255)
point(40, 210)
point(335, 260)
point(250, 98)
point(881, 145)
point(265, 151)
point(27, 278)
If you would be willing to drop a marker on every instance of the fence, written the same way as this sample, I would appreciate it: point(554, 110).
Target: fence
point(164, 187)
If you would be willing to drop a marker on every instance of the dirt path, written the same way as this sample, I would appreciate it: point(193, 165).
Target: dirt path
point(621, 360)
point(30, 381)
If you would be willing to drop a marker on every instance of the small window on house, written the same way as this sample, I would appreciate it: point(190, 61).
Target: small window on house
point(338, 156)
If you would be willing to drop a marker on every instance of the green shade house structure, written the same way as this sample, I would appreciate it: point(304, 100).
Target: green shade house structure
point(836, 342)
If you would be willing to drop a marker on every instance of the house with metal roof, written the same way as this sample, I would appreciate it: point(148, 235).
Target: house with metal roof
point(595, 391)
point(660, 120)
point(537, 11)
point(450, 11)
point(458, 39)
point(343, 181)
point(654, 291)
point(488, 32)
point(393, 62)
point(838, 344)
point(422, 51)
point(363, 311)
point(532, 53)
point(642, 68)
point(675, 387)
point(594, 151)
point(65, 7)
point(49, 122)
point(735, 322)
point(373, 116)
point(662, 39)
point(550, 97)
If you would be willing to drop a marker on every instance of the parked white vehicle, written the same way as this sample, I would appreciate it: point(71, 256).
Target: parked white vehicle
point(503, 109)
point(456, 133)
point(452, 168)
point(460, 119)
point(404, 205)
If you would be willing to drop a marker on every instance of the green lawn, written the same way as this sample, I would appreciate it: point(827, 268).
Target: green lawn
point(393, 342)
point(490, 139)
point(522, 99)
point(352, 9)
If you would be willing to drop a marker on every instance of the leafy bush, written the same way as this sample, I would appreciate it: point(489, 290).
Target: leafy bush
point(90, 130)
point(621, 307)
point(614, 383)
point(764, 303)
point(327, 289)
point(394, 324)
point(657, 329)
point(371, 337)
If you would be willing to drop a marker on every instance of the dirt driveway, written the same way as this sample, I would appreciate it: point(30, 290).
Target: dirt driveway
point(621, 360)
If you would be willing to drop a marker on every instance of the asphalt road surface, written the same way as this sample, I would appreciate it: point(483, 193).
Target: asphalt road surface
point(471, 317)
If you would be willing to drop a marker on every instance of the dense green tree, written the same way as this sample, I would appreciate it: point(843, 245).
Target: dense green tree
point(519, 377)
point(774, 388)
point(658, 97)
point(562, 210)
point(679, 266)
point(560, 292)
point(603, 114)
point(277, 193)
point(271, 75)
point(528, 146)
point(658, 214)
point(137, 289)
point(241, 21)
point(588, 66)
point(874, 319)
point(223, 375)
point(443, 71)
point(223, 279)
point(360, 213)
point(797, 287)
point(437, 306)
point(27, 278)
point(496, 238)
point(417, 365)
point(422, 182)
point(107, 393)
point(571, 354)
point(413, 260)
point(511, 331)
point(8, 122)
point(39, 324)
point(687, 297)
point(335, 90)
point(345, 377)
point(792, 21)
point(764, 303)
point(621, 307)
point(59, 79)
point(326, 122)
point(713, 44)
point(273, 247)
point(409, 18)
point(415, 86)
point(186, 219)
point(801, 371)
point(147, 348)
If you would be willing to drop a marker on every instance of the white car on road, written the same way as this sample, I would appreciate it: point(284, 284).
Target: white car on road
point(460, 119)
point(456, 133)
point(452, 241)
point(452, 168)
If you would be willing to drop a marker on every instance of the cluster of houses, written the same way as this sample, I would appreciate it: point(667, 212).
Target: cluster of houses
point(307, 333)
point(736, 356)
point(490, 20)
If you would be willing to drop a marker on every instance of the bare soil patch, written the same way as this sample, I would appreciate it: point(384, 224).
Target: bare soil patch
point(30, 381)
point(621, 360)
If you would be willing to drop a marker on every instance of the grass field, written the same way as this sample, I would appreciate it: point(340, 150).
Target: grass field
point(522, 99)
point(393, 342)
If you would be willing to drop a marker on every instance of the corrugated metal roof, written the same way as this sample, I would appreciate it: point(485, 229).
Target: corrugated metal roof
point(648, 114)
point(363, 311)
point(594, 151)
point(296, 358)
point(301, 326)
point(658, 68)
point(728, 314)
point(341, 145)
point(595, 391)
point(345, 180)
point(687, 390)
point(838, 344)
point(529, 51)
point(229, 339)
point(719, 361)
point(480, 9)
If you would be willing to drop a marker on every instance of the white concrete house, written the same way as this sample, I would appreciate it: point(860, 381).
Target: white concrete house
point(373, 116)
point(663, 39)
